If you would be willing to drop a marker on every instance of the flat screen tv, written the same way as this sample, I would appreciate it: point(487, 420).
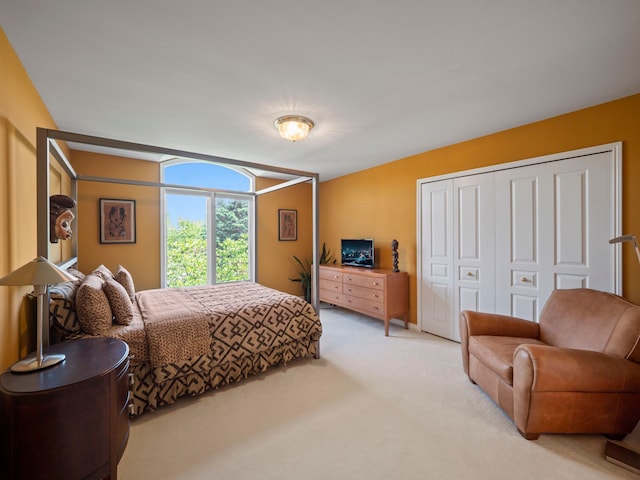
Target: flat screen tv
point(357, 252)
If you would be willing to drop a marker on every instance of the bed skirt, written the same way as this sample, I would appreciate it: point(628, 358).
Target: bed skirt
point(153, 388)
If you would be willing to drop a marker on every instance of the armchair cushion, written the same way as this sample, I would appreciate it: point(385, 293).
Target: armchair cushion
point(496, 353)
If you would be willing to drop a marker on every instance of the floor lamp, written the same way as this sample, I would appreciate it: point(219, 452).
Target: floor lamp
point(614, 452)
point(40, 273)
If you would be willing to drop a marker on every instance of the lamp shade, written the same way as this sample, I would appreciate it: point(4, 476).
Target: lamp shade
point(39, 271)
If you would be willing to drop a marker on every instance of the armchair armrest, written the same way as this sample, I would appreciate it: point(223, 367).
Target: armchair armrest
point(544, 368)
point(479, 323)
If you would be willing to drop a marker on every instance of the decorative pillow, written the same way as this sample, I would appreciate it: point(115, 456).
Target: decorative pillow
point(78, 274)
point(125, 279)
point(103, 272)
point(92, 304)
point(119, 302)
point(62, 308)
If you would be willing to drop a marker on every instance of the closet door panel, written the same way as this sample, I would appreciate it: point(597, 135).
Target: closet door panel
point(474, 245)
point(524, 306)
point(522, 220)
point(569, 214)
point(564, 281)
point(437, 258)
point(584, 202)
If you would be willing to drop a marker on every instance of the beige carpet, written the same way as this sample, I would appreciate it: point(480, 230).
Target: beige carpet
point(372, 407)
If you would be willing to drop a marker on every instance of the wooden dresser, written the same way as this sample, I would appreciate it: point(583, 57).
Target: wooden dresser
point(382, 294)
point(69, 421)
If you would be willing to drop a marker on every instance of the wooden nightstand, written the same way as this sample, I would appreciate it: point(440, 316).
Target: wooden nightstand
point(69, 421)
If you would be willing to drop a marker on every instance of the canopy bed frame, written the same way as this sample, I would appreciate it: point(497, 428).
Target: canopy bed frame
point(48, 149)
point(188, 340)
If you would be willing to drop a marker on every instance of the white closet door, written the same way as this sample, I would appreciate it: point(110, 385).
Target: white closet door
point(474, 246)
point(523, 211)
point(503, 239)
point(437, 258)
point(584, 202)
point(554, 222)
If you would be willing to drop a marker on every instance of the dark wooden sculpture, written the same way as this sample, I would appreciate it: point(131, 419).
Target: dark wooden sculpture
point(394, 254)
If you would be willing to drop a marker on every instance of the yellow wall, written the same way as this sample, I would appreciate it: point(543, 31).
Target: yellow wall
point(142, 258)
point(21, 111)
point(275, 258)
point(381, 202)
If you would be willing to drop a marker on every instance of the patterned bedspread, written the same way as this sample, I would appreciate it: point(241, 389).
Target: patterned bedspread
point(185, 341)
point(224, 322)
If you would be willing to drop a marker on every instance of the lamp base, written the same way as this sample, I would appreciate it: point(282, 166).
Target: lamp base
point(32, 363)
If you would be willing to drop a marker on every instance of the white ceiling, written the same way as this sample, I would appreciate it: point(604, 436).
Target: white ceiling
point(382, 80)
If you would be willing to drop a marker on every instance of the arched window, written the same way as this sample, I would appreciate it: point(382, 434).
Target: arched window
point(207, 223)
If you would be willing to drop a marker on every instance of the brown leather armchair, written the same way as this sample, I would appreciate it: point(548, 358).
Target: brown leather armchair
point(577, 371)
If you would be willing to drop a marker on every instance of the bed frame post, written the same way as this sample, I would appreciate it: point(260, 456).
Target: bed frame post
point(42, 204)
point(42, 156)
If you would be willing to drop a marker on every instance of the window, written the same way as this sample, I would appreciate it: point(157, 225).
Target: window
point(208, 228)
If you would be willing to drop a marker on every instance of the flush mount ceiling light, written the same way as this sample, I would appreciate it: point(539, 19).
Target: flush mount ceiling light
point(294, 127)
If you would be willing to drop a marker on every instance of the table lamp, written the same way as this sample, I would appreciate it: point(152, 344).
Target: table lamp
point(40, 273)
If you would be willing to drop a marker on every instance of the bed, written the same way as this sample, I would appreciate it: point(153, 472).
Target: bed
point(185, 341)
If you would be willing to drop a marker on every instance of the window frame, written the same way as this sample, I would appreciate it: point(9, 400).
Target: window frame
point(211, 194)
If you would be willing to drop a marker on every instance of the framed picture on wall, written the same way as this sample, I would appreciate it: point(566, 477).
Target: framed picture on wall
point(287, 225)
point(117, 221)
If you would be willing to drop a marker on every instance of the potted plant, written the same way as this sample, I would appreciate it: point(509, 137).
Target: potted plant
point(304, 275)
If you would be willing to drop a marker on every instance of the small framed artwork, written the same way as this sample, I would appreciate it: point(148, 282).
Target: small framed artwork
point(117, 221)
point(287, 225)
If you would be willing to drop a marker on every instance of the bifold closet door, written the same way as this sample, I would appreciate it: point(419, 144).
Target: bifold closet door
point(554, 223)
point(502, 241)
point(458, 251)
point(473, 246)
point(436, 282)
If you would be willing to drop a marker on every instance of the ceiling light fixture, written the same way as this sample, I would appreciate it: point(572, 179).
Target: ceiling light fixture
point(294, 127)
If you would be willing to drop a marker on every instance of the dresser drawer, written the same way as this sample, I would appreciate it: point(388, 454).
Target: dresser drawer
point(331, 275)
point(331, 286)
point(371, 294)
point(375, 309)
point(330, 296)
point(364, 281)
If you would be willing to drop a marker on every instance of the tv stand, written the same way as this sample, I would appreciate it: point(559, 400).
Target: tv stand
point(375, 292)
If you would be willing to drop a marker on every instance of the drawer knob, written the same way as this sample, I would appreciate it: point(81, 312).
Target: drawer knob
point(525, 280)
point(132, 409)
point(376, 283)
point(132, 379)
